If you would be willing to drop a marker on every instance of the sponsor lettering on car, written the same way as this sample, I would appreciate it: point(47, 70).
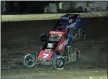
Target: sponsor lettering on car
point(63, 44)
point(71, 25)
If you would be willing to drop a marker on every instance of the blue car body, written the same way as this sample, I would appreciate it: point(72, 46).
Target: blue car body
point(75, 21)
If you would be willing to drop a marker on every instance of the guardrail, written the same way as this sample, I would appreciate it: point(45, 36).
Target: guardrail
point(28, 17)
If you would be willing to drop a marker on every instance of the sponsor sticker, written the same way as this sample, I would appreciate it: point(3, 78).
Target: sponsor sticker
point(63, 44)
point(71, 25)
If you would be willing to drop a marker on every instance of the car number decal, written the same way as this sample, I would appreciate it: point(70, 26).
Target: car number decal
point(45, 55)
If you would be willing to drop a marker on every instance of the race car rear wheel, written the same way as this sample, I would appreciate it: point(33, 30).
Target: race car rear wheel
point(77, 54)
point(59, 62)
point(29, 60)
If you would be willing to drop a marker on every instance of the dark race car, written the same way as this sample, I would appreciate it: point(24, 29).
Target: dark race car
point(72, 22)
point(57, 45)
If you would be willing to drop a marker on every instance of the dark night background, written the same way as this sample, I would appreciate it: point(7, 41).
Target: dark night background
point(33, 7)
point(22, 7)
point(26, 6)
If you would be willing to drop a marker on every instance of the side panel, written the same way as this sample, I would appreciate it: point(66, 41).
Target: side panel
point(45, 55)
point(61, 45)
point(78, 22)
point(72, 25)
point(69, 36)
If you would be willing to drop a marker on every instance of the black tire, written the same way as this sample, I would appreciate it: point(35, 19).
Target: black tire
point(43, 38)
point(77, 55)
point(29, 60)
point(74, 31)
point(59, 62)
point(82, 35)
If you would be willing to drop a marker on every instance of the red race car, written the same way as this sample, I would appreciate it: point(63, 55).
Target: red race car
point(56, 50)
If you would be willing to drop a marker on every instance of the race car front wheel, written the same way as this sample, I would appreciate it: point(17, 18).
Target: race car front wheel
point(59, 62)
point(29, 60)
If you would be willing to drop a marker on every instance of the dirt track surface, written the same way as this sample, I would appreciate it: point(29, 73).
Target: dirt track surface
point(53, 74)
point(19, 38)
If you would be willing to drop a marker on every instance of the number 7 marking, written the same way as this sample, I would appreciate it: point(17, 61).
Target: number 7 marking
point(45, 55)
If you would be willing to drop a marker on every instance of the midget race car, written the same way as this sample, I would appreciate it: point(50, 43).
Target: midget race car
point(72, 22)
point(57, 44)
